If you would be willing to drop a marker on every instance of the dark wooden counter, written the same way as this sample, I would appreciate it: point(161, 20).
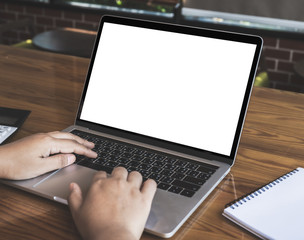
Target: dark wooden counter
point(50, 86)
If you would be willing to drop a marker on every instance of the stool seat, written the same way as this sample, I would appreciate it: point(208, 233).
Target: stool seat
point(70, 41)
point(299, 68)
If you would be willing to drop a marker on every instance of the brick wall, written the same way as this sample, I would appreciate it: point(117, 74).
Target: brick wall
point(279, 54)
point(42, 19)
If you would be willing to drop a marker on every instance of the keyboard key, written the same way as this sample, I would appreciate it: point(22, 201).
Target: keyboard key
point(148, 160)
point(126, 155)
point(167, 172)
point(192, 173)
point(133, 163)
point(159, 157)
point(102, 154)
point(158, 164)
point(163, 186)
point(111, 157)
point(122, 165)
point(116, 152)
point(204, 176)
point(187, 193)
point(180, 163)
point(120, 147)
point(181, 170)
point(192, 166)
point(128, 149)
point(193, 180)
point(175, 189)
point(123, 160)
point(169, 167)
point(131, 169)
point(111, 164)
point(138, 151)
point(100, 161)
point(166, 179)
point(155, 169)
point(144, 166)
point(137, 158)
point(148, 154)
point(99, 141)
point(169, 160)
point(178, 176)
point(155, 176)
point(205, 165)
point(109, 144)
point(106, 150)
point(186, 185)
point(144, 173)
point(206, 170)
point(89, 160)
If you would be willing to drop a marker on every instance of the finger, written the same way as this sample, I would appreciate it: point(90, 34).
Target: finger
point(120, 172)
point(148, 189)
point(68, 146)
point(75, 199)
point(135, 178)
point(66, 135)
point(99, 175)
point(57, 161)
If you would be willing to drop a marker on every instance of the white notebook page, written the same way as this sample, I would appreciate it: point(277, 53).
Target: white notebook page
point(276, 212)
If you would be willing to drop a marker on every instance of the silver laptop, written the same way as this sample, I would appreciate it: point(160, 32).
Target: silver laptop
point(168, 101)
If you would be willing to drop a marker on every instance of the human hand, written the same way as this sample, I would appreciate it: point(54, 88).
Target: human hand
point(41, 153)
point(115, 207)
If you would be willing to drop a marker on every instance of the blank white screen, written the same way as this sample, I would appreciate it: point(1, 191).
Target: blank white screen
point(180, 88)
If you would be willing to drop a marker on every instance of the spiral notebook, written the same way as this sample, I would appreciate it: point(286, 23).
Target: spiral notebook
point(274, 211)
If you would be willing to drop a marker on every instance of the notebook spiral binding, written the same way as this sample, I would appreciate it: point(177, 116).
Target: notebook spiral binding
point(255, 193)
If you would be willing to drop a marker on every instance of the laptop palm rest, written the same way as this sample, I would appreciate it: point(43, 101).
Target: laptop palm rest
point(166, 213)
point(57, 185)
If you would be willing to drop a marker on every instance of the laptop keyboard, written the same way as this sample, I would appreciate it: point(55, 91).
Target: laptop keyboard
point(174, 174)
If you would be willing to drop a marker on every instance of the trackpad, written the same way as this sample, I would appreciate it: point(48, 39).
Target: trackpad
point(57, 185)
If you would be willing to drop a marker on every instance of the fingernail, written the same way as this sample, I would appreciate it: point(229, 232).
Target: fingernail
point(71, 159)
point(72, 186)
point(91, 144)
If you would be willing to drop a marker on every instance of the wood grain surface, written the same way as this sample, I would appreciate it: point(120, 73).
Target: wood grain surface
point(50, 86)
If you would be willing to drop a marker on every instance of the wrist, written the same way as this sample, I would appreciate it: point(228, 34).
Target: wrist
point(111, 234)
point(6, 165)
point(3, 163)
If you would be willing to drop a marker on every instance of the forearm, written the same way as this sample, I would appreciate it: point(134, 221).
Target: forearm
point(4, 162)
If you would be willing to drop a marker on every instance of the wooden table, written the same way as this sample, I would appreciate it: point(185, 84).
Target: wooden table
point(50, 86)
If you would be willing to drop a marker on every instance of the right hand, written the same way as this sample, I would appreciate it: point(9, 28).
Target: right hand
point(116, 207)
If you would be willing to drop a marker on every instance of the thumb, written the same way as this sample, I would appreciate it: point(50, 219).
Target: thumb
point(75, 199)
point(57, 161)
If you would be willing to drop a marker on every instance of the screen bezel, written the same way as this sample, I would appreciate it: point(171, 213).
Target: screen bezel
point(184, 30)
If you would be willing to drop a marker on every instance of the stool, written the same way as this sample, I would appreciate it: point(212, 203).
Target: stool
point(70, 41)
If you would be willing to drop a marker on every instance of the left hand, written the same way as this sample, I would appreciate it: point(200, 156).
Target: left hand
point(41, 153)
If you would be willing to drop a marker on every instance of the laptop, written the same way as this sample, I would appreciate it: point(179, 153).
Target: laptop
point(166, 100)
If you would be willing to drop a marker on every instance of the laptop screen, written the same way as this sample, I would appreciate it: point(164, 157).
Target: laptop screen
point(177, 87)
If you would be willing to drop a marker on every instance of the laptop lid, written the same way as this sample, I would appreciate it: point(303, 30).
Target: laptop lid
point(180, 88)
